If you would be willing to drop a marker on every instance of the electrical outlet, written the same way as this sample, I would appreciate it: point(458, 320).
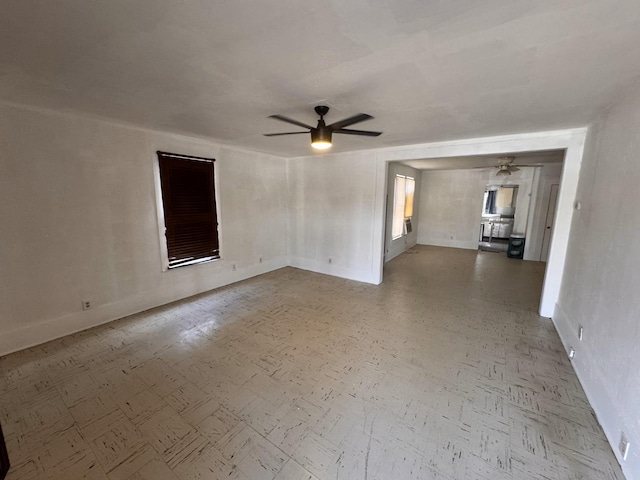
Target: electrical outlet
point(580, 332)
point(572, 353)
point(233, 267)
point(260, 259)
point(330, 260)
point(86, 304)
point(624, 446)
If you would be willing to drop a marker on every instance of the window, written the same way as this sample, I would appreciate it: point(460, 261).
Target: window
point(402, 206)
point(189, 204)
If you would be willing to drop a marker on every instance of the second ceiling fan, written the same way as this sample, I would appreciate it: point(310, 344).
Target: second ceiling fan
point(505, 166)
point(322, 133)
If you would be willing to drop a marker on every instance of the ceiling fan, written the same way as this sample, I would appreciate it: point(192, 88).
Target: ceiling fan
point(505, 166)
point(321, 134)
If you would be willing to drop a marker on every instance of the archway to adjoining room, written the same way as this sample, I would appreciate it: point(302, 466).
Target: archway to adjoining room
point(569, 142)
point(484, 203)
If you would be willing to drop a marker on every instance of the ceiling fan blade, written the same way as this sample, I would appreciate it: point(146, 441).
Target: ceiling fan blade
point(278, 134)
point(290, 120)
point(361, 117)
point(513, 168)
point(366, 133)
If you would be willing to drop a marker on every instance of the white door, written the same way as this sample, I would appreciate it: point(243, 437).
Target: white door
point(548, 226)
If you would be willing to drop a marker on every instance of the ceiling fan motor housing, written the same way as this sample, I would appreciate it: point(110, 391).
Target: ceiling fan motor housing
point(321, 133)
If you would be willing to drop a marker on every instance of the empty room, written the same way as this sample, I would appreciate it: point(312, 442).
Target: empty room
point(319, 240)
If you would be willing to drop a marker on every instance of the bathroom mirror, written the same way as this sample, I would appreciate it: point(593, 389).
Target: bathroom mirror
point(500, 200)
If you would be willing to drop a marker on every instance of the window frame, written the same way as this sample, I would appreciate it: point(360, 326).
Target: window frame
point(162, 240)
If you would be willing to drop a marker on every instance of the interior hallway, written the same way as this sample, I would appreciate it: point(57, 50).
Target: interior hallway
point(444, 371)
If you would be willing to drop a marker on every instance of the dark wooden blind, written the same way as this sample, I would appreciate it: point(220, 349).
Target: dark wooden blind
point(189, 202)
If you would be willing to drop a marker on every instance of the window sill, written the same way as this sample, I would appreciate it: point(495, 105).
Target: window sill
point(196, 261)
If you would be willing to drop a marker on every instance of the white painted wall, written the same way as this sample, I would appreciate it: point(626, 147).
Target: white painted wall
point(450, 208)
point(79, 221)
point(392, 247)
point(451, 205)
point(602, 277)
point(332, 212)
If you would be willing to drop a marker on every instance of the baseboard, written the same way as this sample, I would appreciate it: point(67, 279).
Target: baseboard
point(393, 253)
point(51, 329)
point(365, 276)
point(593, 383)
point(468, 245)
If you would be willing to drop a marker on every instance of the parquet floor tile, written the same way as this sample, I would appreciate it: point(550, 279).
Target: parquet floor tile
point(444, 371)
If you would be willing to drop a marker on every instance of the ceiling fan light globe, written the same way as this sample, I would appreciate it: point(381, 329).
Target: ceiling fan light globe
point(321, 145)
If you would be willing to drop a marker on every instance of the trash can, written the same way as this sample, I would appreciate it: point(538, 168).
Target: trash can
point(516, 246)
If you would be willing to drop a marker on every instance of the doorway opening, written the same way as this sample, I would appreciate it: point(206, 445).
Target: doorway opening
point(498, 217)
point(462, 202)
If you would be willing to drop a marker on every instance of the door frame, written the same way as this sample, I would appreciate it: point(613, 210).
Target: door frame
point(571, 141)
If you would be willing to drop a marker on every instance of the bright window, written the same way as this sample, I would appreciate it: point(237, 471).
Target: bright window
point(402, 205)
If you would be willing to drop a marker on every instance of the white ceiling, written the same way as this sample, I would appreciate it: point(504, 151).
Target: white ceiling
point(426, 70)
point(540, 158)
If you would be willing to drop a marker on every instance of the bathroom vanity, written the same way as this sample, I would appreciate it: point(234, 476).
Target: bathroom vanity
point(498, 212)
